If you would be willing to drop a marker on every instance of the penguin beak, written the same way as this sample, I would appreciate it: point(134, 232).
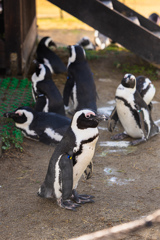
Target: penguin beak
point(99, 118)
point(10, 114)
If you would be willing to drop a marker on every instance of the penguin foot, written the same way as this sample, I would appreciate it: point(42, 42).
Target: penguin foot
point(119, 136)
point(81, 199)
point(138, 141)
point(67, 204)
point(111, 123)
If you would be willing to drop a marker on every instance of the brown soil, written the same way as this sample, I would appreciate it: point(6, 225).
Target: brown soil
point(134, 194)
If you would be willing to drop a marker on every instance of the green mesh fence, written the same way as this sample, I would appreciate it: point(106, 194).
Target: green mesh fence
point(13, 94)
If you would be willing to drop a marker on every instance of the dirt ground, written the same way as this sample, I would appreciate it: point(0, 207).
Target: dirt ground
point(125, 181)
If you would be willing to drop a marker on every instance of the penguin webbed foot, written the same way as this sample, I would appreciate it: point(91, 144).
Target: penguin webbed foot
point(119, 136)
point(82, 198)
point(111, 123)
point(138, 141)
point(67, 204)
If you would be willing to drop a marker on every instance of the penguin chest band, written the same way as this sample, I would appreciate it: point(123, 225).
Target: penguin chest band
point(127, 120)
point(83, 160)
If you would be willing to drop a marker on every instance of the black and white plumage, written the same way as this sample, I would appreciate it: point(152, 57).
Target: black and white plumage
point(101, 40)
point(147, 91)
point(44, 127)
point(133, 112)
point(86, 43)
point(48, 57)
point(72, 156)
point(45, 92)
point(80, 88)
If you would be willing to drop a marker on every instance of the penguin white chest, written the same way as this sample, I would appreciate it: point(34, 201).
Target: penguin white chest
point(75, 101)
point(83, 160)
point(127, 120)
point(149, 94)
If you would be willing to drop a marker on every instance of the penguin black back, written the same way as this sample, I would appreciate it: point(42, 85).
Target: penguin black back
point(80, 86)
point(45, 92)
point(47, 56)
point(44, 127)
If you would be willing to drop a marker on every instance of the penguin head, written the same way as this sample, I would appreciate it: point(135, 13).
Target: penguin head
point(77, 53)
point(142, 83)
point(154, 17)
point(21, 115)
point(85, 118)
point(86, 43)
point(41, 72)
point(129, 81)
point(47, 41)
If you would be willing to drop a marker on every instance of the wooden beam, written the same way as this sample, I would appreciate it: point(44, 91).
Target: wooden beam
point(116, 26)
point(123, 9)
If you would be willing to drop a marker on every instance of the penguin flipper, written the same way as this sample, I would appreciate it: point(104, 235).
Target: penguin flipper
point(40, 103)
point(141, 117)
point(67, 90)
point(66, 167)
point(113, 119)
point(44, 138)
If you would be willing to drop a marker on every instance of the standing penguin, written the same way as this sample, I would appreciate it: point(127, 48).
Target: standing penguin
point(70, 159)
point(45, 92)
point(147, 91)
point(80, 87)
point(133, 112)
point(47, 56)
point(44, 127)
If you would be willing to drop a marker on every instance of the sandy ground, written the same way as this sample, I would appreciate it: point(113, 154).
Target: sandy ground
point(125, 182)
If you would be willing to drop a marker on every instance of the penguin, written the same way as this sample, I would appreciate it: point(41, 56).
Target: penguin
point(147, 91)
point(72, 156)
point(79, 88)
point(47, 56)
point(154, 17)
point(133, 112)
point(44, 91)
point(86, 43)
point(44, 127)
point(101, 40)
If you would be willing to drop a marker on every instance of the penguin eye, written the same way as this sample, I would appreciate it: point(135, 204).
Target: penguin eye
point(19, 113)
point(89, 114)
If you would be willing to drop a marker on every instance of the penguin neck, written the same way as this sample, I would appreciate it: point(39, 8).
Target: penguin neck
point(25, 125)
point(84, 134)
point(47, 63)
point(36, 79)
point(125, 92)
